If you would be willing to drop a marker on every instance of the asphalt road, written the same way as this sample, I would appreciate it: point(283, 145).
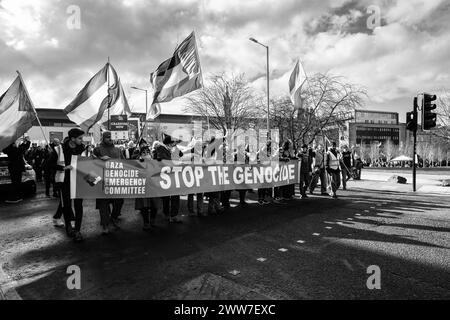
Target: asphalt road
point(330, 244)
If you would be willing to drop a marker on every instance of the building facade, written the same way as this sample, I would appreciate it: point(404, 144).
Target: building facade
point(369, 127)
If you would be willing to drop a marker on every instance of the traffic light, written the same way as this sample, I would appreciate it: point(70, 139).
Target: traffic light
point(411, 118)
point(411, 123)
point(428, 117)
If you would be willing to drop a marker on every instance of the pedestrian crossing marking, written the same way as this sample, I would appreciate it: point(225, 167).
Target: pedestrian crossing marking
point(262, 259)
point(301, 241)
point(283, 250)
point(316, 234)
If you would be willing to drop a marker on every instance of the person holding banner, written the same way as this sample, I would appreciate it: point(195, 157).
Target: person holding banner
point(163, 152)
point(287, 154)
point(105, 152)
point(148, 207)
point(73, 146)
point(333, 162)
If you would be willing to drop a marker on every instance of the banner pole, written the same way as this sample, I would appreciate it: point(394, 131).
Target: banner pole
point(109, 98)
point(32, 106)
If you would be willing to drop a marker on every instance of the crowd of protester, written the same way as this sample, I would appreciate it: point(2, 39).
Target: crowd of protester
point(52, 164)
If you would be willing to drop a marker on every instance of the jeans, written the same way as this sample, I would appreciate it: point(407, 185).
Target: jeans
point(322, 175)
point(305, 179)
point(67, 208)
point(335, 180)
point(199, 203)
point(16, 180)
point(104, 207)
point(345, 176)
point(49, 177)
point(171, 206)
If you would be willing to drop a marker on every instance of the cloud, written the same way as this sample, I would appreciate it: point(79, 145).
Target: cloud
point(406, 54)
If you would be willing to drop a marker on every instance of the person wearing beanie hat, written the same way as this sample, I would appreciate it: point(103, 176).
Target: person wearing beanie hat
point(72, 146)
point(105, 152)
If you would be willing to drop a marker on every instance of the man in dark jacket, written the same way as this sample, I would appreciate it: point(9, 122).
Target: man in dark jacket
point(16, 165)
point(305, 169)
point(49, 166)
point(171, 204)
point(105, 152)
point(72, 146)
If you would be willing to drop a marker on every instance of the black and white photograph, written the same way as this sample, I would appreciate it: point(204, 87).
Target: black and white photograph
point(224, 158)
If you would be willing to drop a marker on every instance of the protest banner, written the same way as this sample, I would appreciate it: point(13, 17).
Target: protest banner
point(97, 179)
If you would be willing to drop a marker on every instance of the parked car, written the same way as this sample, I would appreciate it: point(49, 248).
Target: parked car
point(28, 186)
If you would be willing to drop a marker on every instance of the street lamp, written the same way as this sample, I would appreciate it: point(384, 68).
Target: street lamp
point(146, 107)
point(146, 99)
point(268, 81)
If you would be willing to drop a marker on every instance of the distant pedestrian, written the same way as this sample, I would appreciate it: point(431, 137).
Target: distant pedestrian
point(305, 169)
point(333, 168)
point(16, 166)
point(346, 166)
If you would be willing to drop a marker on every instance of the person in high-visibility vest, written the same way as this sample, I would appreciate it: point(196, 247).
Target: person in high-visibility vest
point(333, 168)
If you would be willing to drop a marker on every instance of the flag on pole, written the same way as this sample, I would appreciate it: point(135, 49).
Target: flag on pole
point(91, 103)
point(177, 76)
point(296, 84)
point(16, 113)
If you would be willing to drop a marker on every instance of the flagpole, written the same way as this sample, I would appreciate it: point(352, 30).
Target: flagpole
point(32, 106)
point(109, 98)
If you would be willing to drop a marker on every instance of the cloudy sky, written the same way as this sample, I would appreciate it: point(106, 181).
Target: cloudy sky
point(406, 53)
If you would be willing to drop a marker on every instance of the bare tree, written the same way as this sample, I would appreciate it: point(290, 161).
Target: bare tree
point(374, 151)
point(227, 103)
point(391, 150)
point(328, 101)
point(443, 116)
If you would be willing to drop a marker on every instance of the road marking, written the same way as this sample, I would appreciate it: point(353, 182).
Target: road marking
point(235, 272)
point(283, 250)
point(301, 241)
point(329, 228)
point(262, 259)
point(350, 219)
point(366, 211)
point(316, 234)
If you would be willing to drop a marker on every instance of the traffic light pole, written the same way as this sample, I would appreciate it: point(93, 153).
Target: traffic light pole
point(414, 160)
point(416, 106)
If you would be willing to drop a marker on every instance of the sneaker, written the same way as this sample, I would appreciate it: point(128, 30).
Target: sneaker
point(175, 220)
point(70, 233)
point(58, 223)
point(105, 231)
point(78, 237)
point(277, 201)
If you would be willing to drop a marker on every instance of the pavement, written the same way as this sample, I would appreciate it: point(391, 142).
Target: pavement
point(317, 248)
